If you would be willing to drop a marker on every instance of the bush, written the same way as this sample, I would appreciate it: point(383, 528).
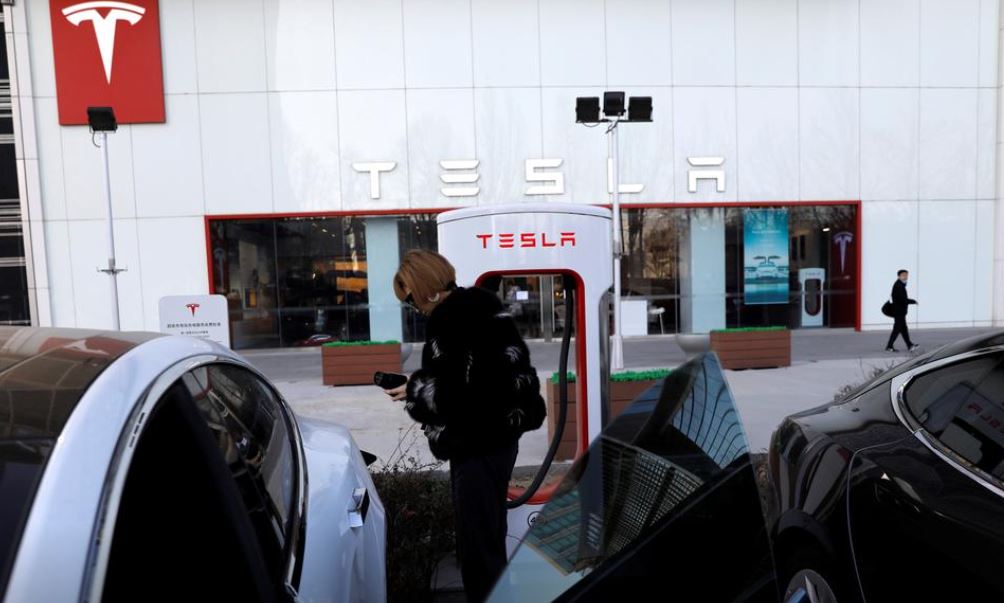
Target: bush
point(341, 344)
point(624, 376)
point(419, 507)
point(749, 329)
point(869, 374)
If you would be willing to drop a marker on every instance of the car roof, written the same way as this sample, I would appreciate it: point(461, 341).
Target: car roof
point(43, 375)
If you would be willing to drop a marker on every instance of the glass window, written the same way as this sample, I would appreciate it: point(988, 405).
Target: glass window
point(323, 285)
point(818, 261)
point(8, 172)
point(667, 489)
point(244, 270)
point(180, 523)
point(651, 265)
point(961, 405)
point(21, 465)
point(417, 231)
point(305, 281)
point(249, 427)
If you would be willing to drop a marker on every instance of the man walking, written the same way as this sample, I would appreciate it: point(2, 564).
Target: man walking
point(900, 304)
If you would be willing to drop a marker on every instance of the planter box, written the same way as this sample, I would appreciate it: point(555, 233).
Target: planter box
point(355, 364)
point(752, 349)
point(622, 393)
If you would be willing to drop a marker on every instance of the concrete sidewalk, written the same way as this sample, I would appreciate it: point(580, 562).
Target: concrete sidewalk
point(823, 362)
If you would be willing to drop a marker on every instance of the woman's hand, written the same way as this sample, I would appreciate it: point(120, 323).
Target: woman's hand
point(398, 393)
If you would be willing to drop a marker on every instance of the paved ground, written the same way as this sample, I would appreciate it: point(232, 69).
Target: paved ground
point(823, 362)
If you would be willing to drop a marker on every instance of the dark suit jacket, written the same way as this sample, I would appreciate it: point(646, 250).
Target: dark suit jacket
point(900, 300)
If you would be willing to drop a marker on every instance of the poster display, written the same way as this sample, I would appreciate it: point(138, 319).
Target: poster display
point(765, 256)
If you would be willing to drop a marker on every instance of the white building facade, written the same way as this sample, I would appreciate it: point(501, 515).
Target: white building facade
point(285, 117)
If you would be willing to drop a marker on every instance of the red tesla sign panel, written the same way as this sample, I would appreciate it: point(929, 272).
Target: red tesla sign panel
point(108, 54)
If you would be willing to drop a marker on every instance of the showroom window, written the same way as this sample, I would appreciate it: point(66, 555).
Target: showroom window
point(307, 280)
point(793, 266)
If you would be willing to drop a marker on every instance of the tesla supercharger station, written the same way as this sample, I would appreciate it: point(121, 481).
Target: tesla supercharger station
point(810, 281)
point(554, 239)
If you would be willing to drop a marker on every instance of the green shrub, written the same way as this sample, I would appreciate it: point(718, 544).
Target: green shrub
point(339, 344)
point(651, 375)
point(420, 528)
point(749, 329)
point(868, 374)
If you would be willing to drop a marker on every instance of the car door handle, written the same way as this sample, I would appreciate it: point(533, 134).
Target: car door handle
point(360, 507)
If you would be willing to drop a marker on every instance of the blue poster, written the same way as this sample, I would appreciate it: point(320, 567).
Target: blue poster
point(765, 256)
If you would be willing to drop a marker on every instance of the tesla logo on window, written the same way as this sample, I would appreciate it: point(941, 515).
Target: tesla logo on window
point(107, 53)
point(510, 240)
point(192, 308)
point(843, 239)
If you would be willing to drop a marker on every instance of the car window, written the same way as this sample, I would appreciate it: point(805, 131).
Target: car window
point(962, 406)
point(659, 490)
point(181, 523)
point(250, 430)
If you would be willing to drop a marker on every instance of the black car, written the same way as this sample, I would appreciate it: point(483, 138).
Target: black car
point(664, 506)
point(895, 492)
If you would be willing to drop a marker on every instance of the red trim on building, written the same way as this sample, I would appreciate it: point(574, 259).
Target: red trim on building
point(209, 254)
point(860, 235)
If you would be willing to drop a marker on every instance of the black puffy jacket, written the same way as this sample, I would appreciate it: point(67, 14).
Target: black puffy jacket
point(476, 390)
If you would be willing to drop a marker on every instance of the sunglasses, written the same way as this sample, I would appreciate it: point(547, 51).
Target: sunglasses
point(410, 302)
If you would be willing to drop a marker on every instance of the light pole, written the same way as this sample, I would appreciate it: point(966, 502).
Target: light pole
point(587, 111)
point(102, 121)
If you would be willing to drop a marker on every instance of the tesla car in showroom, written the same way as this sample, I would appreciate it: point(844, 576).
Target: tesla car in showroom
point(894, 493)
point(139, 466)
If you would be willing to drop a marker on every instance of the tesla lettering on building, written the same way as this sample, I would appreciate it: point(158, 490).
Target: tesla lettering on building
point(542, 176)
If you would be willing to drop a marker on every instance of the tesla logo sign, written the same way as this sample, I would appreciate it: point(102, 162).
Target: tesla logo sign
point(108, 54)
point(843, 239)
point(178, 317)
point(510, 240)
point(104, 27)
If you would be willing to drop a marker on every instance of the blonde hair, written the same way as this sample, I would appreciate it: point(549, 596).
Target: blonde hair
point(425, 273)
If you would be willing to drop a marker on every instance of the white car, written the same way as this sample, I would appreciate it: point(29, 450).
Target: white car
point(138, 466)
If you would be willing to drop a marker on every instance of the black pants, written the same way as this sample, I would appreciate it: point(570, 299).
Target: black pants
point(900, 328)
point(480, 485)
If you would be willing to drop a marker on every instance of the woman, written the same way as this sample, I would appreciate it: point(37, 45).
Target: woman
point(475, 394)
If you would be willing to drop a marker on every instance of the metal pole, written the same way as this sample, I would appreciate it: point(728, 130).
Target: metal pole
point(112, 271)
point(617, 342)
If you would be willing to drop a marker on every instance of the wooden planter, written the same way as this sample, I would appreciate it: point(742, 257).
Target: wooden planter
point(355, 364)
point(622, 393)
point(752, 349)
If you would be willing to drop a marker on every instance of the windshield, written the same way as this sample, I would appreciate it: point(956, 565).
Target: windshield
point(666, 490)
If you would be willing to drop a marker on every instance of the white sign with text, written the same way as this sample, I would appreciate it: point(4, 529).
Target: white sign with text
point(203, 316)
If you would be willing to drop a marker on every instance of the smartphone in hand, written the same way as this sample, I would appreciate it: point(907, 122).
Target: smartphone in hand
point(389, 380)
